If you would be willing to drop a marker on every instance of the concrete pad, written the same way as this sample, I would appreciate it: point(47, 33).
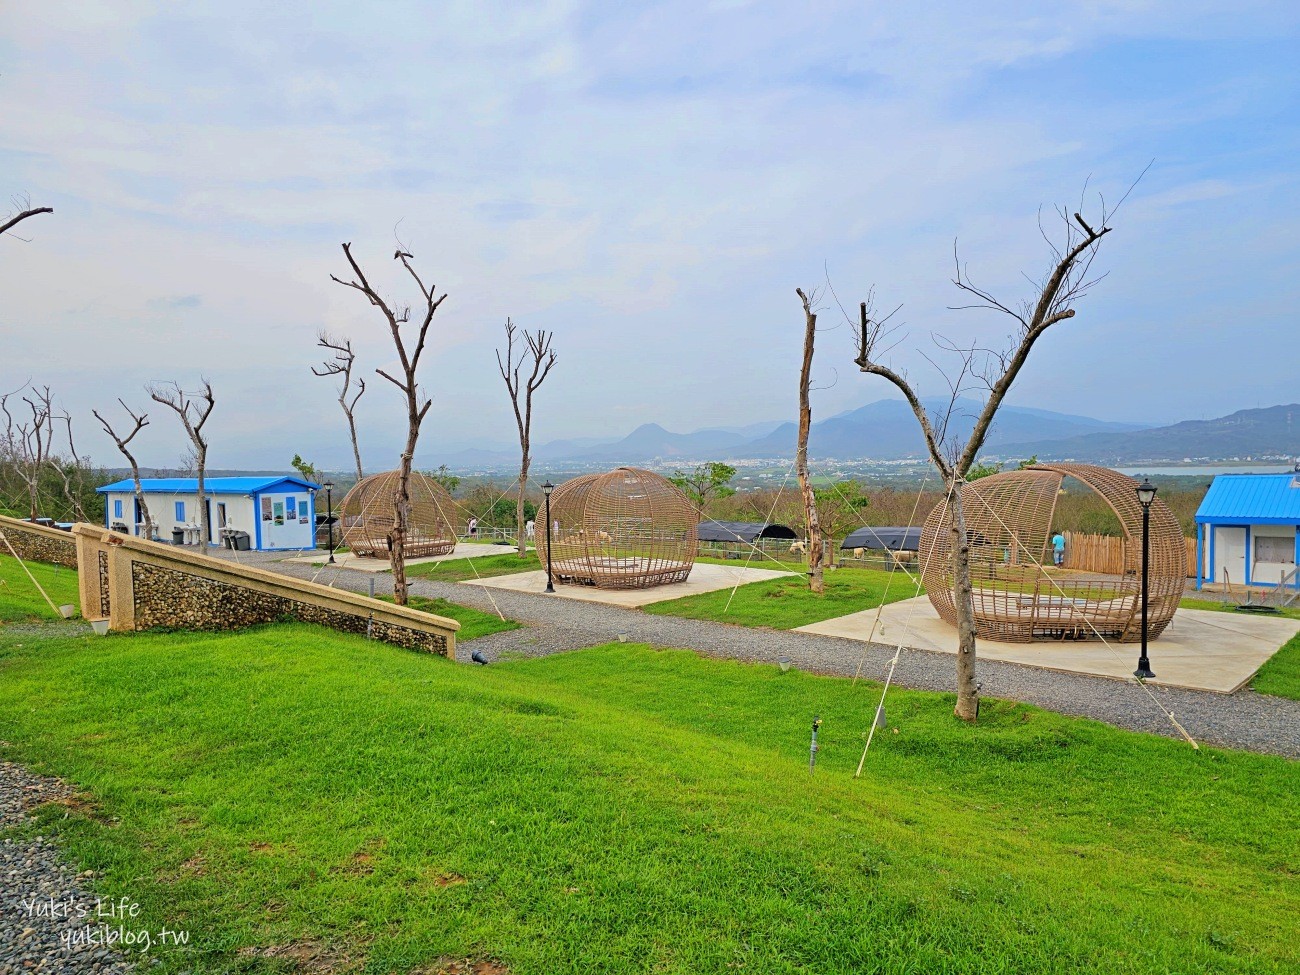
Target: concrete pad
point(1200, 649)
point(346, 560)
point(704, 577)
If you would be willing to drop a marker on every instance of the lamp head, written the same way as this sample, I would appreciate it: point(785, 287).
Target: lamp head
point(547, 488)
point(328, 485)
point(1146, 492)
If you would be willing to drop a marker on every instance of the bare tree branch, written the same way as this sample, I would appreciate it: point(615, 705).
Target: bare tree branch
point(537, 349)
point(194, 415)
point(409, 387)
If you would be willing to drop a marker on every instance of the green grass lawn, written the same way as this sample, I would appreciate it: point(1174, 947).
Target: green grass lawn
point(476, 567)
point(474, 623)
point(20, 600)
point(624, 810)
point(787, 602)
point(1280, 675)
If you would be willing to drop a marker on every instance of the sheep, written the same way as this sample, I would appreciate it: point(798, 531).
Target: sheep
point(798, 548)
point(859, 553)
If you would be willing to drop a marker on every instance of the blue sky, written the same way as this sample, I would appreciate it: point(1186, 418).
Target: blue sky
point(652, 182)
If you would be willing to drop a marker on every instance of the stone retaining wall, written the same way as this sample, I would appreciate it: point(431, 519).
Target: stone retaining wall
point(137, 585)
point(39, 543)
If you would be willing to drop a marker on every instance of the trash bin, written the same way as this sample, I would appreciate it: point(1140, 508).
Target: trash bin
point(178, 536)
point(227, 539)
point(243, 541)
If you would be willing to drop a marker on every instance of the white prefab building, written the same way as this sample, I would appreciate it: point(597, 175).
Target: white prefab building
point(278, 513)
point(1248, 530)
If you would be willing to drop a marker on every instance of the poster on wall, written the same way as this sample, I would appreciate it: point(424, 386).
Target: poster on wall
point(278, 509)
point(291, 508)
point(266, 509)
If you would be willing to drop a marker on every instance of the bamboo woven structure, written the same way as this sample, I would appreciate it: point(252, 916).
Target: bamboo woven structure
point(368, 514)
point(1008, 524)
point(624, 529)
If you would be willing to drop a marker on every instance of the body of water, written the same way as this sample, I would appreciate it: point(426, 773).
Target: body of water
point(1206, 471)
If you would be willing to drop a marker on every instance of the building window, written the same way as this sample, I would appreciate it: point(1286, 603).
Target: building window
point(117, 509)
point(1270, 548)
point(180, 511)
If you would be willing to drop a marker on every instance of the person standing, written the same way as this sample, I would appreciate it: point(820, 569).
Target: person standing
point(530, 530)
point(1058, 550)
point(473, 529)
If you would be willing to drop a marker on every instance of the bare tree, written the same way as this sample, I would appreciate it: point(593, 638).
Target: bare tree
point(816, 579)
point(194, 414)
point(72, 475)
point(30, 439)
point(536, 350)
point(27, 212)
point(139, 422)
point(993, 370)
point(341, 365)
point(417, 406)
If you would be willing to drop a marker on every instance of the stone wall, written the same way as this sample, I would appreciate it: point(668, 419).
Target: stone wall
point(101, 563)
point(37, 543)
point(138, 584)
point(167, 597)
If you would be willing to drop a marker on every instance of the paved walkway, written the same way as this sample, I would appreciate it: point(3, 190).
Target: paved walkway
point(1246, 720)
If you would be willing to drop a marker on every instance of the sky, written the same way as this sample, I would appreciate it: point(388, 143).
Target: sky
point(649, 181)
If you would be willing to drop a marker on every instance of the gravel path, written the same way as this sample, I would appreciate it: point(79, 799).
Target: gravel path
point(42, 899)
point(1245, 720)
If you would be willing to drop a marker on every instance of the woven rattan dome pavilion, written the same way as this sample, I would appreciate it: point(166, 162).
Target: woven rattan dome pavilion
point(1008, 523)
point(367, 516)
point(625, 529)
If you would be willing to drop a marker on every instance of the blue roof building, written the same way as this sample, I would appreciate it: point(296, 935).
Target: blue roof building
point(277, 513)
point(1248, 530)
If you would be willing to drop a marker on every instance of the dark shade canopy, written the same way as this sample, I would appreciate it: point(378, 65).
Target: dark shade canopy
point(742, 531)
point(893, 539)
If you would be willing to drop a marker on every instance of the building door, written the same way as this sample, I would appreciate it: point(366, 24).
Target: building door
point(208, 503)
point(221, 517)
point(1230, 554)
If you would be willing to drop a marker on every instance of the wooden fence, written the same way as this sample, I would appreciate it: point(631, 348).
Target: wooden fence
point(1105, 554)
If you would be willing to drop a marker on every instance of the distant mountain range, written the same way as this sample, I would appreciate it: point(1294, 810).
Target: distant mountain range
point(1247, 434)
point(884, 430)
point(887, 431)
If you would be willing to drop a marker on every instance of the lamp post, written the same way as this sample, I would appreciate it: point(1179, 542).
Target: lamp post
point(1146, 492)
point(547, 488)
point(329, 515)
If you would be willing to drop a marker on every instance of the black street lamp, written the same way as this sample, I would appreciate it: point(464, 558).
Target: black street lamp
point(547, 488)
point(329, 515)
point(1146, 492)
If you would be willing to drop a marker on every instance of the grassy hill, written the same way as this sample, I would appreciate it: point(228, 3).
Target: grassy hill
point(292, 792)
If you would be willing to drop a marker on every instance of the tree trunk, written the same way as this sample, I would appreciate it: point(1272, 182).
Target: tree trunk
point(815, 578)
point(203, 499)
point(402, 514)
point(967, 693)
point(519, 504)
point(356, 449)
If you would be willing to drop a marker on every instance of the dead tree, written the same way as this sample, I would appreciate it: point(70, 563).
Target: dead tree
point(341, 365)
point(71, 492)
point(816, 578)
point(536, 351)
point(194, 414)
point(30, 440)
point(22, 215)
point(139, 422)
point(994, 371)
point(416, 405)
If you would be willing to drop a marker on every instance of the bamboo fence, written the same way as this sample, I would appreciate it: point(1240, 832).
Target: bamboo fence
point(1104, 554)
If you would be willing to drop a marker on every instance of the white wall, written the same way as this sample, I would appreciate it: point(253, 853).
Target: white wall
point(1229, 554)
point(1271, 572)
